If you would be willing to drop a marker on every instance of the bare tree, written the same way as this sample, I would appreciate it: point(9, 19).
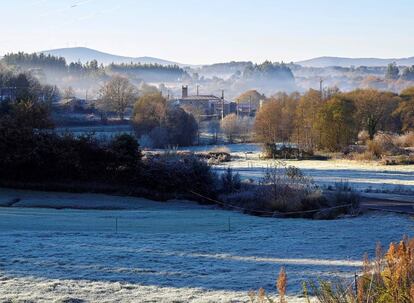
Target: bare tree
point(117, 95)
point(214, 128)
point(68, 93)
point(230, 126)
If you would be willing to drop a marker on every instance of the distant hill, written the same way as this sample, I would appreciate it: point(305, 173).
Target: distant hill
point(347, 62)
point(84, 54)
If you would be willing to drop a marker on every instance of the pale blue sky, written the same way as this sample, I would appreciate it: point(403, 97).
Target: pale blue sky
point(206, 31)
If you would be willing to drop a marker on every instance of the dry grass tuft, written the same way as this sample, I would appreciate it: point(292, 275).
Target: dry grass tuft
point(281, 284)
point(262, 297)
point(405, 140)
point(220, 149)
point(388, 278)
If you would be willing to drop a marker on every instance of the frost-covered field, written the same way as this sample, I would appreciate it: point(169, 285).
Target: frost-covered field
point(102, 132)
point(174, 252)
point(368, 176)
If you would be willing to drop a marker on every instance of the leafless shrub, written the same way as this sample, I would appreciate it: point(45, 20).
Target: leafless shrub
point(284, 188)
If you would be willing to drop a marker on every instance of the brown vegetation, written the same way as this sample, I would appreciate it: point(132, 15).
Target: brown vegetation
point(164, 125)
point(332, 121)
point(286, 192)
point(388, 278)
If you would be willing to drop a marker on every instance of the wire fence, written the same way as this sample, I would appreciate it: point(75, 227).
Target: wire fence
point(265, 212)
point(117, 222)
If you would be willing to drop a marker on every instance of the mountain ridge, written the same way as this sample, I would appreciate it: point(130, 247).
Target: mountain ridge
point(326, 61)
point(84, 54)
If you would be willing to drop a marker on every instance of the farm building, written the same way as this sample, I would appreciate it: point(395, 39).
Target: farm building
point(212, 106)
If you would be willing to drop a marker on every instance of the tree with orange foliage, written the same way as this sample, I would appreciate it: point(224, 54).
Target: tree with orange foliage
point(374, 109)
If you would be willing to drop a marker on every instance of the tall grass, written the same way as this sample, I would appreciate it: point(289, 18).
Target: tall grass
point(262, 297)
point(387, 278)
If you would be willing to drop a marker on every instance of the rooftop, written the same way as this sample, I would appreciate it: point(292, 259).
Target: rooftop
point(200, 97)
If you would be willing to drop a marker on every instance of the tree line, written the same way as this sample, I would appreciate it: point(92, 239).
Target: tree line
point(33, 155)
point(59, 64)
point(23, 86)
point(393, 72)
point(137, 68)
point(332, 120)
point(268, 70)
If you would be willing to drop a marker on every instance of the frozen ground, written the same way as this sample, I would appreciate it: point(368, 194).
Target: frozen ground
point(176, 252)
point(59, 200)
point(101, 132)
point(363, 176)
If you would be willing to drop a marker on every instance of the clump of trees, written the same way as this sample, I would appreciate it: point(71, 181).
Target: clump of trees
point(161, 124)
point(405, 109)
point(31, 152)
point(332, 121)
point(268, 70)
point(117, 95)
point(335, 124)
point(150, 72)
point(23, 86)
point(50, 63)
point(408, 73)
point(35, 60)
point(33, 155)
point(269, 74)
point(392, 72)
point(274, 122)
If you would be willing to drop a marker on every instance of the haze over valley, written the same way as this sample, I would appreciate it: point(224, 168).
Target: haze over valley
point(206, 151)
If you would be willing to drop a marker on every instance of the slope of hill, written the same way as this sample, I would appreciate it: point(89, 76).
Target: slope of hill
point(84, 54)
point(347, 62)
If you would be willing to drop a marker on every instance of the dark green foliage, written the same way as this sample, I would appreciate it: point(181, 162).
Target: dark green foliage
point(268, 70)
point(50, 63)
point(32, 154)
point(392, 71)
point(150, 72)
point(28, 155)
point(230, 182)
point(35, 60)
point(408, 73)
point(174, 173)
point(125, 148)
point(181, 127)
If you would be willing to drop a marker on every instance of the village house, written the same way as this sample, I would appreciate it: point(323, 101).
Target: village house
point(249, 109)
point(212, 106)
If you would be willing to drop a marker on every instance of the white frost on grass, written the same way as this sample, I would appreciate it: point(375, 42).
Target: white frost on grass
point(27, 198)
point(363, 176)
point(175, 252)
